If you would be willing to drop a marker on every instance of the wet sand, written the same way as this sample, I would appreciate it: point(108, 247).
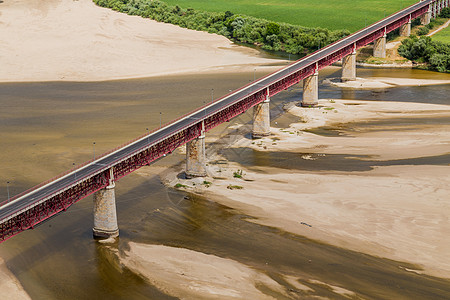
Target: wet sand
point(391, 204)
point(383, 83)
point(9, 285)
point(78, 41)
point(188, 274)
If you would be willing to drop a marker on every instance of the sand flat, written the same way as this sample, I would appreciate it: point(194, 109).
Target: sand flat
point(393, 210)
point(189, 274)
point(79, 41)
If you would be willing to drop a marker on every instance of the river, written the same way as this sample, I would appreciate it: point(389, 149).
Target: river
point(46, 128)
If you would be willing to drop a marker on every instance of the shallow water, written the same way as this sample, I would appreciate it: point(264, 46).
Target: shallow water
point(46, 127)
point(252, 159)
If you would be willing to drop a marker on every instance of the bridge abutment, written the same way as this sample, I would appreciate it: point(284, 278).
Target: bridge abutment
point(196, 157)
point(405, 29)
point(311, 90)
point(379, 48)
point(349, 67)
point(105, 216)
point(261, 118)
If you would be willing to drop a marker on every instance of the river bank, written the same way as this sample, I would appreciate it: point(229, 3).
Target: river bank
point(64, 40)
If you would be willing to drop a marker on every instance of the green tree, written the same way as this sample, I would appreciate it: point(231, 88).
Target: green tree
point(272, 28)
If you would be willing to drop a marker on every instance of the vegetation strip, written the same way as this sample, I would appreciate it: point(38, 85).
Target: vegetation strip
point(268, 35)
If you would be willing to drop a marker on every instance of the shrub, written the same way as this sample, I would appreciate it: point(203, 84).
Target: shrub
point(238, 174)
point(234, 187)
point(425, 50)
point(423, 31)
point(445, 12)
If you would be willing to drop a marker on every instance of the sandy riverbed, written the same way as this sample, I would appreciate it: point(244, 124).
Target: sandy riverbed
point(189, 274)
point(392, 208)
point(76, 40)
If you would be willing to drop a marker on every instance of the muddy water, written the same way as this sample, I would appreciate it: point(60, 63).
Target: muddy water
point(253, 159)
point(46, 127)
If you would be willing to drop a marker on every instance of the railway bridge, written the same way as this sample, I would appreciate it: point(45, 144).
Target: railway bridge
point(26, 210)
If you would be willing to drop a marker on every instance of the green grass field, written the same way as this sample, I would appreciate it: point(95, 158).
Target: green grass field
point(442, 36)
point(331, 14)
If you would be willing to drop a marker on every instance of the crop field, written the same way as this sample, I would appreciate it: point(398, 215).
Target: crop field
point(442, 36)
point(331, 14)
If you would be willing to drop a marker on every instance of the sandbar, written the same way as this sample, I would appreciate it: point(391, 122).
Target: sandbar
point(189, 274)
point(65, 40)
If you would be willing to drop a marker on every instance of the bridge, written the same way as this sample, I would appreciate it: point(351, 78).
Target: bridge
point(98, 176)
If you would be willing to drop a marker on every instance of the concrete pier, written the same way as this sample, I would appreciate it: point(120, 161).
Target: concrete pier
point(311, 90)
point(426, 18)
point(196, 158)
point(379, 48)
point(105, 216)
point(349, 67)
point(405, 29)
point(261, 119)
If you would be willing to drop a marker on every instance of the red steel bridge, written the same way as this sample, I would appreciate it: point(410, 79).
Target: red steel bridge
point(41, 202)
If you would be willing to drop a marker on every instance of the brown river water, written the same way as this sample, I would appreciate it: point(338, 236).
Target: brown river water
point(47, 127)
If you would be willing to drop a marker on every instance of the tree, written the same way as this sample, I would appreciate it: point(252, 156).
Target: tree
point(272, 28)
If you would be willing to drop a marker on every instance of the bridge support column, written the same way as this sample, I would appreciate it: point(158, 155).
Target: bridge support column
point(311, 90)
point(105, 216)
point(261, 118)
point(349, 67)
point(379, 48)
point(196, 158)
point(405, 29)
point(426, 18)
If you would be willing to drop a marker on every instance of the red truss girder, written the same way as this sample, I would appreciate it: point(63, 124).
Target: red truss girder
point(338, 55)
point(50, 207)
point(370, 38)
point(234, 109)
point(397, 23)
point(148, 155)
point(419, 12)
point(290, 80)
